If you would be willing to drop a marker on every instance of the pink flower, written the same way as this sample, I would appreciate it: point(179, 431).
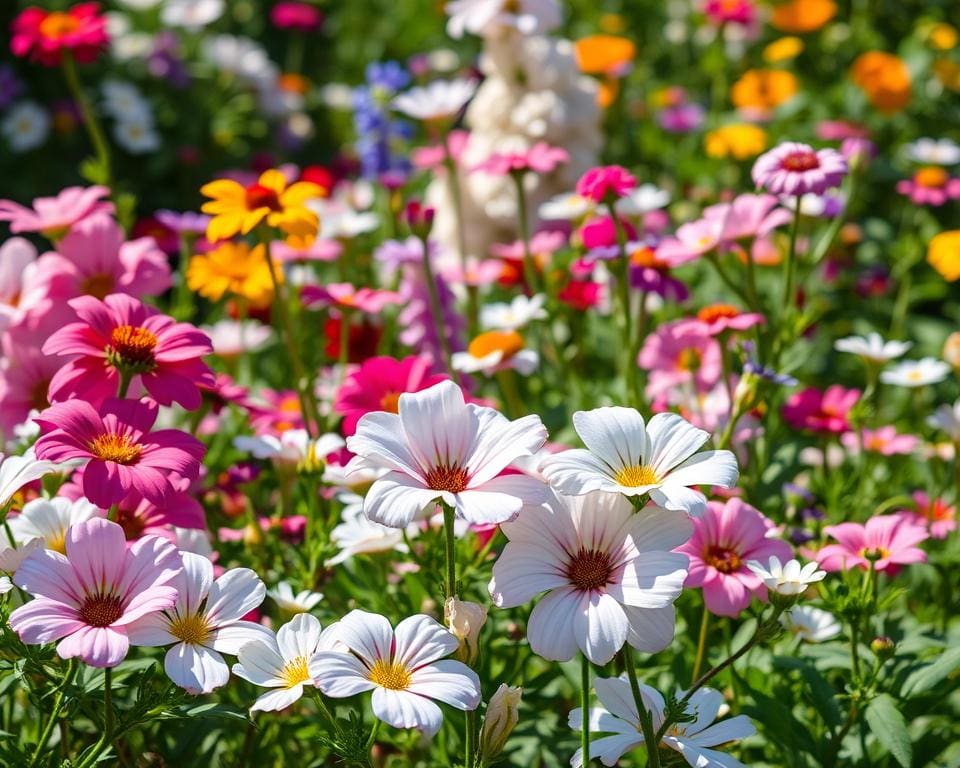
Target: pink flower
point(604, 182)
point(345, 297)
point(540, 158)
point(821, 411)
point(319, 250)
point(691, 241)
point(889, 540)
point(792, 168)
point(45, 35)
point(21, 290)
point(123, 453)
point(837, 130)
point(121, 336)
point(725, 538)
point(302, 17)
point(87, 598)
point(747, 217)
point(720, 12)
point(938, 516)
point(930, 186)
point(883, 440)
point(377, 385)
point(720, 318)
point(600, 232)
point(53, 216)
point(433, 157)
point(24, 382)
point(680, 354)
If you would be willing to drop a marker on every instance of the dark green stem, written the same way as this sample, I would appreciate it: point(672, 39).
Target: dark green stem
point(88, 117)
point(55, 712)
point(646, 717)
point(450, 549)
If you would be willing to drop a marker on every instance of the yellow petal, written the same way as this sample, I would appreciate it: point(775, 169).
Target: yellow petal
point(273, 180)
point(223, 226)
point(223, 189)
point(299, 192)
point(251, 219)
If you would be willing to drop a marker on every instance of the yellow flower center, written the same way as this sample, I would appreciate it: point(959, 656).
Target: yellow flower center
point(391, 675)
point(636, 476)
point(58, 25)
point(116, 448)
point(58, 541)
point(715, 312)
point(874, 553)
point(133, 345)
point(295, 672)
point(192, 629)
point(506, 342)
point(390, 402)
point(931, 177)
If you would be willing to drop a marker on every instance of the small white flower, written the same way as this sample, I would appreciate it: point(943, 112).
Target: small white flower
point(519, 312)
point(5, 585)
point(341, 222)
point(788, 578)
point(947, 419)
point(829, 204)
point(191, 14)
point(916, 373)
point(489, 17)
point(438, 100)
point(293, 449)
point(137, 134)
point(301, 602)
point(231, 338)
point(49, 519)
point(495, 351)
point(568, 207)
point(873, 347)
point(934, 151)
point(123, 100)
point(12, 557)
point(358, 535)
point(26, 126)
point(642, 200)
point(17, 471)
point(811, 624)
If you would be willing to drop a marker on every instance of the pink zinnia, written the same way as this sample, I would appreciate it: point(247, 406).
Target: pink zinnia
point(938, 516)
point(377, 385)
point(721, 318)
point(87, 598)
point(345, 297)
point(883, 440)
point(605, 182)
point(890, 541)
point(796, 169)
point(930, 186)
point(725, 538)
point(720, 12)
point(123, 337)
point(53, 216)
point(691, 241)
point(45, 35)
point(540, 158)
point(818, 411)
point(123, 453)
point(680, 354)
point(302, 17)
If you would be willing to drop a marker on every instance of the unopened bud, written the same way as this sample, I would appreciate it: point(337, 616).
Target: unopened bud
point(419, 218)
point(465, 620)
point(883, 647)
point(499, 721)
point(252, 534)
point(745, 394)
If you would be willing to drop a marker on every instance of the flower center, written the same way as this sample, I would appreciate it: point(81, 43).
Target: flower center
point(688, 359)
point(57, 541)
point(931, 177)
point(874, 553)
point(259, 196)
point(116, 448)
point(723, 559)
point(714, 312)
point(101, 610)
point(915, 375)
point(508, 343)
point(939, 511)
point(133, 525)
point(38, 394)
point(191, 629)
point(311, 463)
point(646, 257)
point(390, 674)
point(801, 161)
point(636, 476)
point(133, 346)
point(98, 285)
point(443, 478)
point(295, 672)
point(58, 25)
point(390, 402)
point(589, 569)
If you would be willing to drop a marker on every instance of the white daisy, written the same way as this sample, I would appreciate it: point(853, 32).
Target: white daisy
point(872, 347)
point(358, 535)
point(231, 338)
point(788, 578)
point(643, 199)
point(17, 471)
point(489, 17)
point(193, 15)
point(522, 310)
point(438, 100)
point(916, 373)
point(293, 449)
point(300, 602)
point(123, 100)
point(494, 351)
point(26, 126)
point(811, 624)
point(137, 134)
point(568, 207)
point(929, 151)
point(49, 519)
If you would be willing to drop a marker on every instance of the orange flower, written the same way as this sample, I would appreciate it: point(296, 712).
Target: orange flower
point(943, 253)
point(800, 16)
point(884, 78)
point(738, 140)
point(604, 54)
point(763, 89)
point(784, 49)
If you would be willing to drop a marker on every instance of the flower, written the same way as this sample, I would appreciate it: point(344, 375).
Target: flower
point(642, 200)
point(233, 268)
point(936, 514)
point(792, 168)
point(499, 720)
point(692, 739)
point(725, 538)
point(294, 448)
point(759, 91)
point(26, 126)
point(286, 600)
point(347, 298)
point(49, 520)
point(790, 578)
point(716, 319)
point(123, 453)
point(489, 17)
point(281, 662)
point(238, 209)
point(740, 141)
point(18, 471)
point(494, 351)
point(931, 185)
point(872, 347)
point(539, 158)
point(942, 151)
point(510, 317)
point(826, 411)
point(357, 535)
point(605, 182)
point(301, 17)
point(439, 448)
point(608, 55)
point(885, 78)
point(720, 12)
point(232, 338)
point(567, 207)
point(626, 456)
point(191, 14)
point(811, 624)
point(88, 598)
point(883, 440)
point(916, 373)
point(887, 541)
point(609, 575)
point(404, 667)
point(53, 216)
point(465, 620)
point(681, 353)
point(943, 254)
point(947, 419)
point(205, 621)
point(45, 36)
point(802, 16)
point(783, 49)
point(439, 100)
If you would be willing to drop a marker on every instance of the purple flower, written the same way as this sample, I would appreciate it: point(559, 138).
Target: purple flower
point(188, 221)
point(683, 118)
point(796, 169)
point(10, 86)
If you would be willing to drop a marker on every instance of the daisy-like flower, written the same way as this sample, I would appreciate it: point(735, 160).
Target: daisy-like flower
point(694, 740)
point(826, 411)
point(889, 541)
point(643, 200)
point(88, 598)
point(346, 298)
point(929, 151)
point(567, 207)
point(609, 574)
point(357, 535)
point(609, 182)
point(916, 373)
point(494, 351)
point(934, 512)
point(281, 662)
point(716, 319)
point(235, 269)
point(521, 311)
point(883, 440)
point(404, 667)
point(18, 471)
point(789, 578)
point(123, 453)
point(438, 100)
point(54, 216)
point(872, 347)
point(539, 158)
point(205, 621)
point(231, 338)
point(191, 14)
point(490, 17)
point(814, 625)
point(439, 448)
point(299, 602)
point(625, 455)
point(44, 36)
point(294, 448)
point(947, 419)
point(50, 519)
point(931, 185)
point(25, 126)
point(792, 168)
point(237, 209)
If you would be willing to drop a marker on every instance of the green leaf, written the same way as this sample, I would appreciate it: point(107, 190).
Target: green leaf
point(888, 725)
point(93, 171)
point(929, 675)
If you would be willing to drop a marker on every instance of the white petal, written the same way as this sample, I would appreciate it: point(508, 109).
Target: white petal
point(196, 669)
point(734, 728)
point(339, 675)
point(232, 596)
point(679, 498)
point(396, 500)
point(500, 441)
point(550, 628)
point(576, 472)
point(651, 629)
point(260, 663)
point(407, 710)
point(420, 639)
point(449, 681)
point(659, 530)
point(278, 699)
point(652, 580)
point(616, 435)
point(299, 637)
point(231, 638)
point(707, 468)
point(150, 631)
point(600, 626)
point(193, 583)
point(369, 635)
point(523, 571)
point(672, 439)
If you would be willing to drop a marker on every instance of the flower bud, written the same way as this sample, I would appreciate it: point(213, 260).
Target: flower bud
point(883, 647)
point(465, 620)
point(500, 720)
point(419, 218)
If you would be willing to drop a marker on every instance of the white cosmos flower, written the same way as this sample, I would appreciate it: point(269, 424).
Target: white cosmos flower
point(206, 622)
point(404, 668)
point(494, 351)
point(137, 134)
point(231, 338)
point(439, 448)
point(934, 151)
point(487, 17)
point(626, 456)
point(947, 419)
point(49, 519)
point(568, 207)
point(12, 557)
point(26, 126)
point(609, 574)
point(522, 310)
point(191, 14)
point(694, 740)
point(643, 199)
point(294, 448)
point(300, 602)
point(790, 578)
point(916, 373)
point(438, 100)
point(281, 662)
point(358, 535)
point(17, 471)
point(814, 625)
point(872, 347)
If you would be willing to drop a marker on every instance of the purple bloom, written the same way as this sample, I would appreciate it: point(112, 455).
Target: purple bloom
point(186, 222)
point(796, 169)
point(378, 133)
point(10, 86)
point(683, 118)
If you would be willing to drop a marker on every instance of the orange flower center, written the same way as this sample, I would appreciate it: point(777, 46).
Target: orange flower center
point(133, 345)
point(646, 257)
point(801, 161)
point(714, 312)
point(931, 177)
point(589, 569)
point(390, 402)
point(259, 196)
point(98, 286)
point(443, 478)
point(58, 25)
point(119, 449)
point(506, 342)
point(688, 359)
point(723, 559)
point(101, 610)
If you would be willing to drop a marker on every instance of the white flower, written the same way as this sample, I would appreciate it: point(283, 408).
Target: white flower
point(5, 585)
point(281, 662)
point(934, 151)
point(137, 134)
point(486, 17)
point(206, 621)
point(872, 347)
point(286, 600)
point(495, 351)
point(642, 200)
point(916, 373)
point(626, 456)
point(26, 126)
point(609, 574)
point(231, 338)
point(438, 100)
point(693, 740)
point(947, 419)
point(49, 519)
point(521, 310)
point(340, 222)
point(358, 535)
point(404, 668)
point(191, 14)
point(12, 557)
point(568, 207)
point(439, 448)
point(789, 578)
point(294, 448)
point(139, 5)
point(17, 471)
point(123, 100)
point(812, 624)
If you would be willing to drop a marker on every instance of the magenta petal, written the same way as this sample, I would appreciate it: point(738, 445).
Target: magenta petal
point(104, 483)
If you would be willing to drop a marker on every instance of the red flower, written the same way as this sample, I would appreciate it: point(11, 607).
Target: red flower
point(45, 35)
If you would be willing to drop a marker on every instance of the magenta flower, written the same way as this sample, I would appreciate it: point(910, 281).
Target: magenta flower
point(301, 17)
point(53, 216)
point(817, 411)
point(605, 182)
point(121, 336)
point(724, 539)
point(936, 514)
point(540, 158)
point(87, 598)
point(792, 168)
point(123, 453)
point(44, 36)
point(345, 297)
point(890, 541)
point(930, 186)
point(680, 354)
point(24, 381)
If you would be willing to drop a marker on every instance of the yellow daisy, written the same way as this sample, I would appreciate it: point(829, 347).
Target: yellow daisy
point(233, 268)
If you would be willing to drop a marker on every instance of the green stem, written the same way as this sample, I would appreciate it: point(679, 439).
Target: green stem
point(437, 310)
point(508, 385)
point(468, 739)
point(453, 181)
point(55, 712)
point(646, 717)
point(103, 742)
point(585, 710)
point(125, 378)
point(450, 550)
point(529, 268)
point(623, 290)
point(701, 643)
point(901, 305)
point(88, 117)
point(790, 266)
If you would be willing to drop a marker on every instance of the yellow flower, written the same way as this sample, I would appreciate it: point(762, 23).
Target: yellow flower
point(784, 49)
point(763, 89)
point(943, 253)
point(237, 209)
point(233, 268)
point(943, 37)
point(738, 140)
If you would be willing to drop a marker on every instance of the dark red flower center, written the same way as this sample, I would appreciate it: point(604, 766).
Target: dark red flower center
point(133, 525)
point(443, 478)
point(589, 569)
point(801, 161)
point(259, 196)
point(723, 559)
point(101, 610)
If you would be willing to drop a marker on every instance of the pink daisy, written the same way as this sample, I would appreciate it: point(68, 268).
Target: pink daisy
point(890, 541)
point(345, 297)
point(792, 168)
point(882, 440)
point(748, 216)
point(605, 182)
point(87, 598)
point(680, 353)
point(930, 186)
point(432, 158)
point(817, 411)
point(935, 513)
point(725, 538)
point(540, 158)
point(123, 453)
point(54, 216)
